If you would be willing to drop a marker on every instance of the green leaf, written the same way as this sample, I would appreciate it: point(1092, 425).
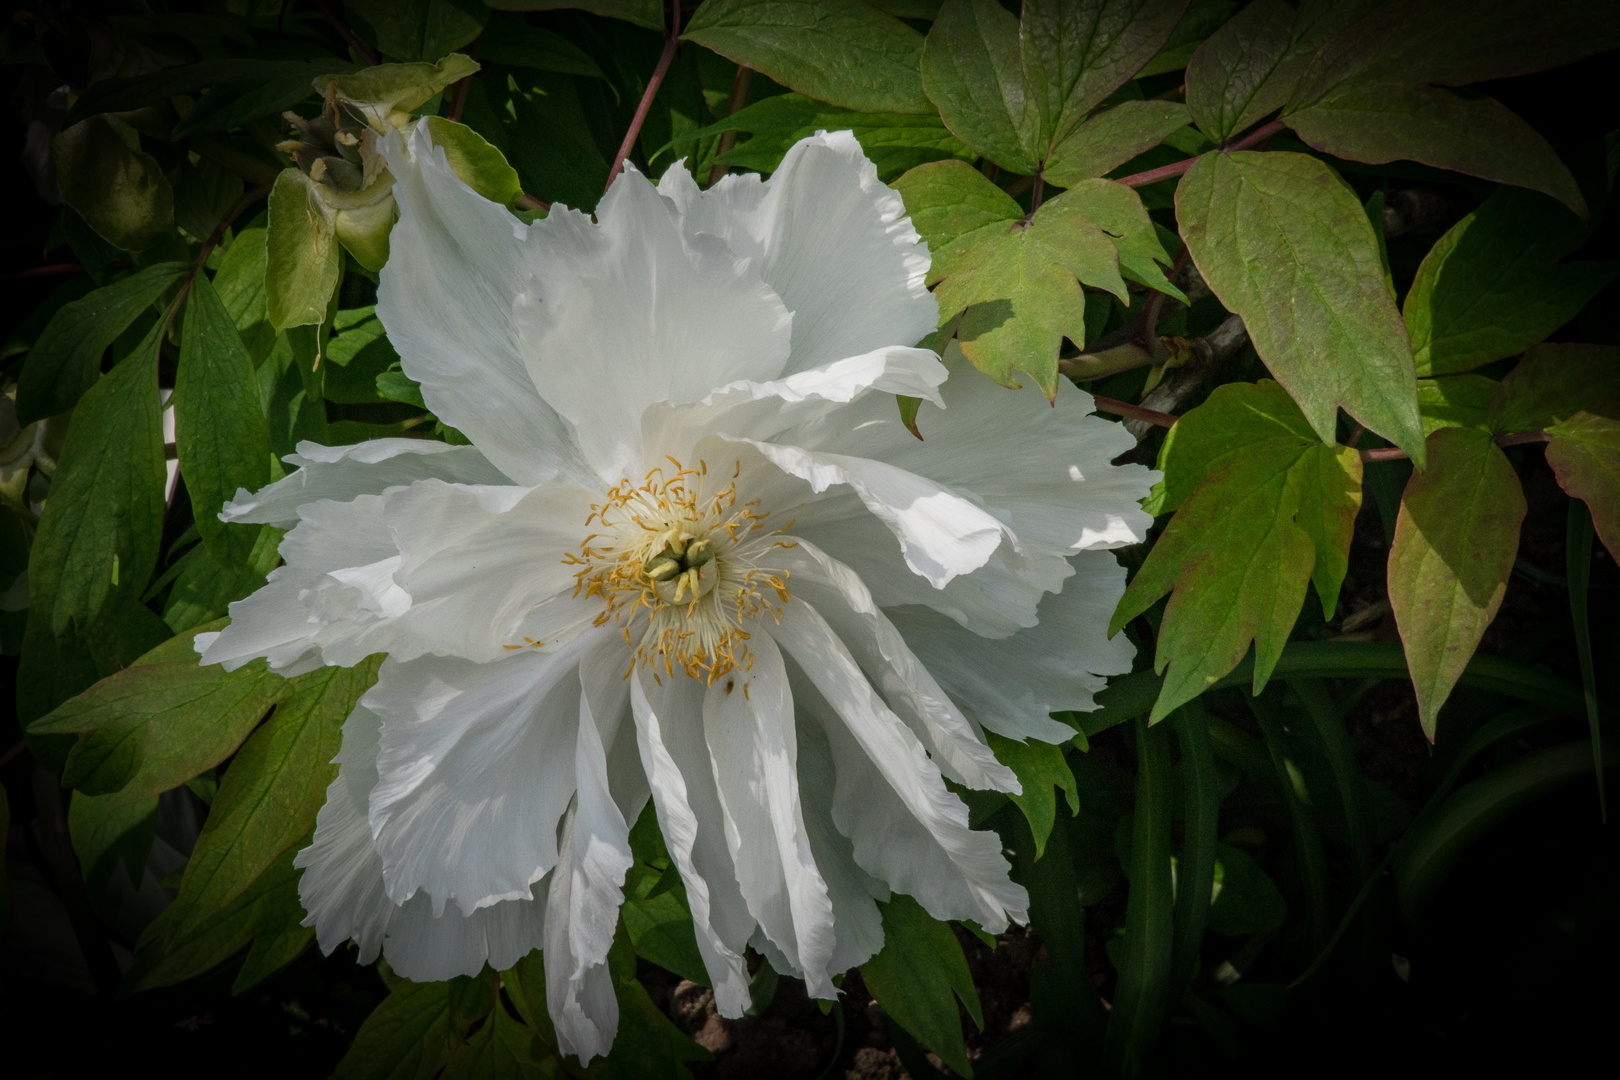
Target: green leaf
point(1455, 542)
point(1039, 767)
point(480, 165)
point(1013, 89)
point(65, 361)
point(203, 589)
point(948, 200)
point(1373, 92)
point(267, 81)
point(779, 121)
point(1202, 19)
point(1492, 286)
point(1077, 52)
point(656, 914)
point(109, 828)
point(1141, 998)
point(1246, 901)
point(1455, 401)
point(119, 190)
point(840, 51)
point(648, 13)
point(27, 333)
point(1264, 508)
point(972, 68)
point(1585, 456)
point(268, 912)
point(1250, 66)
point(406, 1038)
point(1284, 242)
point(648, 1046)
point(356, 357)
point(510, 41)
point(918, 976)
point(220, 432)
point(503, 1049)
point(1552, 383)
point(239, 281)
point(161, 721)
point(98, 539)
point(421, 29)
point(1111, 138)
point(400, 87)
point(1195, 874)
point(269, 796)
point(302, 260)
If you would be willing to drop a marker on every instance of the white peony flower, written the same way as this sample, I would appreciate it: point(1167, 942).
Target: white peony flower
point(692, 554)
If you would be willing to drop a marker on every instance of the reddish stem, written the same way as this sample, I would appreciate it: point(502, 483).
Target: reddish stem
point(1516, 438)
point(1135, 412)
point(645, 107)
point(1176, 168)
point(345, 33)
point(43, 271)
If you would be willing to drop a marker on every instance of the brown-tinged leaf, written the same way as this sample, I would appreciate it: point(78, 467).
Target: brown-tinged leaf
point(1455, 541)
point(1585, 456)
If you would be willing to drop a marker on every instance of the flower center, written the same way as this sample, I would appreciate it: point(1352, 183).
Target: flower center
point(678, 561)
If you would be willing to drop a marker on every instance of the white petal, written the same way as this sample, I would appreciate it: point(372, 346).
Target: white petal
point(631, 311)
point(1012, 684)
point(336, 585)
point(484, 568)
point(763, 410)
point(748, 721)
point(890, 800)
point(833, 241)
point(368, 468)
point(583, 905)
point(475, 770)
point(601, 676)
point(456, 268)
point(669, 731)
point(1042, 470)
point(841, 598)
point(427, 947)
point(342, 885)
point(857, 922)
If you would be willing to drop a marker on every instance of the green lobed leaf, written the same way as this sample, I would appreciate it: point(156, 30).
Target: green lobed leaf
point(98, 538)
point(271, 792)
point(1585, 456)
point(408, 1036)
point(1373, 91)
point(948, 200)
point(237, 102)
point(1455, 541)
point(972, 69)
point(221, 437)
point(1455, 401)
point(648, 1045)
point(119, 95)
point(779, 121)
point(1111, 138)
point(502, 1049)
point(1040, 767)
point(269, 911)
point(1552, 383)
point(918, 976)
point(1264, 508)
point(648, 13)
point(108, 828)
point(1250, 66)
point(1076, 52)
point(1492, 286)
point(161, 721)
point(1284, 242)
point(656, 913)
point(204, 589)
point(65, 360)
point(512, 42)
point(302, 258)
point(421, 29)
point(119, 190)
point(1202, 19)
point(844, 52)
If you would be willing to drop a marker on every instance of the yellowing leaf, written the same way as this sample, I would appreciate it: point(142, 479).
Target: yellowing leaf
point(1455, 540)
point(1285, 243)
point(1265, 508)
point(1585, 456)
point(302, 250)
